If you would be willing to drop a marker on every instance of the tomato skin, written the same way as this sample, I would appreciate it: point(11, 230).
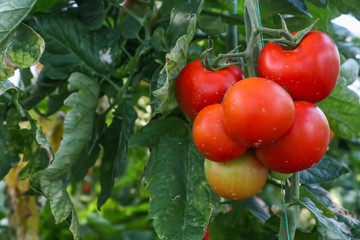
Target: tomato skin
point(206, 236)
point(211, 137)
point(86, 188)
point(309, 72)
point(257, 111)
point(303, 145)
point(238, 179)
point(197, 87)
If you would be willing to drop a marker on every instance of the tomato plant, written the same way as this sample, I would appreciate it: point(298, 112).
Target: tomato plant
point(211, 137)
point(309, 72)
point(257, 111)
point(197, 87)
point(303, 145)
point(237, 179)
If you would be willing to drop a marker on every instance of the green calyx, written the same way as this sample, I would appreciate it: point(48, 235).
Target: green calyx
point(290, 41)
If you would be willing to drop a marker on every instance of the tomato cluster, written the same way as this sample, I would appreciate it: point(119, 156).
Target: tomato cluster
point(245, 126)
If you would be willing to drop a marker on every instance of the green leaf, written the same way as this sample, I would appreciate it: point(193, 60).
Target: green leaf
point(71, 47)
point(45, 5)
point(20, 49)
point(342, 106)
point(164, 80)
point(44, 154)
point(13, 139)
point(253, 206)
point(328, 228)
point(12, 12)
point(326, 170)
point(77, 125)
point(115, 145)
point(319, 3)
point(347, 7)
point(91, 12)
point(237, 224)
point(181, 201)
point(211, 25)
point(348, 72)
point(305, 193)
point(77, 131)
point(220, 4)
point(299, 4)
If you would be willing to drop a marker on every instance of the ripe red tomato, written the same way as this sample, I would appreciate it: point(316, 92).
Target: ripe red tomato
point(197, 87)
point(240, 178)
point(309, 72)
point(211, 137)
point(86, 188)
point(303, 145)
point(257, 111)
point(206, 236)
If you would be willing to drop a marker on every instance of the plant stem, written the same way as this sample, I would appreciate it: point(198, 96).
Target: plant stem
point(252, 35)
point(291, 192)
point(279, 32)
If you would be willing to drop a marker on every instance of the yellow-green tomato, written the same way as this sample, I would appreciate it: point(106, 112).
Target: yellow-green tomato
point(237, 179)
point(279, 176)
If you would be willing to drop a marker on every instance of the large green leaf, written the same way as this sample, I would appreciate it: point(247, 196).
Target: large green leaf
point(253, 206)
point(181, 202)
point(12, 12)
point(342, 106)
point(20, 49)
point(71, 47)
point(91, 12)
point(237, 224)
point(328, 228)
point(326, 170)
point(347, 7)
point(115, 146)
point(305, 193)
point(164, 80)
point(77, 131)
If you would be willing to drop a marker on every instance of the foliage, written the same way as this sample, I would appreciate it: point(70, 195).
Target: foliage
point(99, 111)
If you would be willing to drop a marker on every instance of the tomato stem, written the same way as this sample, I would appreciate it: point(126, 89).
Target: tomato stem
point(291, 193)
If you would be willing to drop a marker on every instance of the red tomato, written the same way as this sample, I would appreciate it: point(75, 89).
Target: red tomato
point(237, 179)
point(197, 87)
point(303, 145)
point(309, 72)
point(86, 188)
point(211, 137)
point(206, 236)
point(257, 111)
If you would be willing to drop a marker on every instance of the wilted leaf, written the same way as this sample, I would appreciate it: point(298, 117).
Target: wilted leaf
point(77, 131)
point(164, 80)
point(21, 49)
